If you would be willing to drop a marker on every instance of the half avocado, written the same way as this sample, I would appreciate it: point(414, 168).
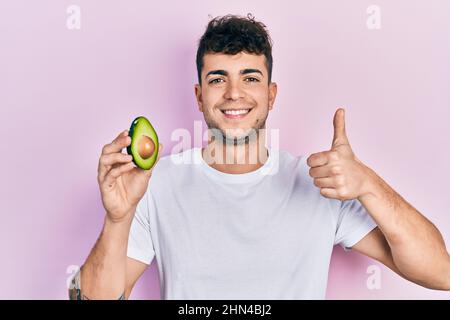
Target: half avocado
point(144, 143)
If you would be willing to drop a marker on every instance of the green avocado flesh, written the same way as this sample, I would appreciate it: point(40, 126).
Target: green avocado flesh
point(142, 127)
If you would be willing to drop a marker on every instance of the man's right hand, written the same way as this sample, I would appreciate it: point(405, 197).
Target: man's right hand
point(122, 183)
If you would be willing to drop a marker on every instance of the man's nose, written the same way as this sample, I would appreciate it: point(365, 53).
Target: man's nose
point(233, 91)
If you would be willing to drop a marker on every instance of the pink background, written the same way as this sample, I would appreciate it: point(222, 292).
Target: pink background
point(65, 93)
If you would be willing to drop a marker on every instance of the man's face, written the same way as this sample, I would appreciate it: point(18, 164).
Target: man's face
point(235, 96)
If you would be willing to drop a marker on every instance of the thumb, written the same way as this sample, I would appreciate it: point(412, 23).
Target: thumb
point(340, 136)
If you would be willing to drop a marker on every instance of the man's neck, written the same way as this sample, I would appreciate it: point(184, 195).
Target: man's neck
point(236, 159)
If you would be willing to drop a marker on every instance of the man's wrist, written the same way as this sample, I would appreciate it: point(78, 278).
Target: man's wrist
point(372, 188)
point(124, 221)
point(75, 292)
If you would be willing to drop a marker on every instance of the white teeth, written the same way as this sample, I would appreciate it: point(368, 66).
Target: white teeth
point(236, 112)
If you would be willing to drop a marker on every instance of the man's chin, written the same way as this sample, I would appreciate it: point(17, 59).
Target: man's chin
point(236, 136)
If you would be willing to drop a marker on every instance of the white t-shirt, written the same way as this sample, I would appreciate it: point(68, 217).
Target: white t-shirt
point(267, 234)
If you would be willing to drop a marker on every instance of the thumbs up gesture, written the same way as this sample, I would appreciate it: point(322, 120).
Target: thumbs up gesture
point(338, 172)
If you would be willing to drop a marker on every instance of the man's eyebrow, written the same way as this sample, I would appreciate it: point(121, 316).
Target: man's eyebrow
point(245, 71)
point(219, 72)
point(225, 73)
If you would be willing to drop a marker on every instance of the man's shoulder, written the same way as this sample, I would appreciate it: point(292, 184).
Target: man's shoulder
point(172, 170)
point(295, 167)
point(175, 159)
point(175, 163)
point(289, 161)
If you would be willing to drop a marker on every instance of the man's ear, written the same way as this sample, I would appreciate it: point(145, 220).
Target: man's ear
point(198, 95)
point(273, 88)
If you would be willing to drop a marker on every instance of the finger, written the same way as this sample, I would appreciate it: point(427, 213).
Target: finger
point(324, 171)
point(122, 141)
point(108, 160)
point(340, 136)
point(329, 193)
point(325, 182)
point(318, 159)
point(116, 172)
point(113, 158)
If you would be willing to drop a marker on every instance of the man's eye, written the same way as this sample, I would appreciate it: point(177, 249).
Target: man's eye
point(215, 80)
point(251, 79)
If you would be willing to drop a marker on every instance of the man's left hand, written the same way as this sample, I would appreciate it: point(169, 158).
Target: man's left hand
point(338, 172)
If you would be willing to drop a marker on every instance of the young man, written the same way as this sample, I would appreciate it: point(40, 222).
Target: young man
point(250, 227)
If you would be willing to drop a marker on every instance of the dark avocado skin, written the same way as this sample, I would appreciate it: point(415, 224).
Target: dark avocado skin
point(131, 134)
point(141, 126)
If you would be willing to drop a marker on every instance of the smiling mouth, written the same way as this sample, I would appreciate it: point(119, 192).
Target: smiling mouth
point(236, 113)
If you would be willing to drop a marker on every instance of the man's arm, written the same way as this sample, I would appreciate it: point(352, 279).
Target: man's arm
point(108, 273)
point(408, 242)
point(405, 241)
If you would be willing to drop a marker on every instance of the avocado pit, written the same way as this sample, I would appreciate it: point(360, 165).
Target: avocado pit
point(145, 147)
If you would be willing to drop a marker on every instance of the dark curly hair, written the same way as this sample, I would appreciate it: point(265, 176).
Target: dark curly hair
point(232, 34)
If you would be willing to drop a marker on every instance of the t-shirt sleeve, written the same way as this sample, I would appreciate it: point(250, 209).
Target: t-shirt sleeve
point(140, 244)
point(354, 223)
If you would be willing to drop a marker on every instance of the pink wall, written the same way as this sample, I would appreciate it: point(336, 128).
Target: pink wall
point(64, 93)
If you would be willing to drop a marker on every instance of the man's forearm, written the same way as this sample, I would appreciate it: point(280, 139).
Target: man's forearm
point(417, 247)
point(103, 276)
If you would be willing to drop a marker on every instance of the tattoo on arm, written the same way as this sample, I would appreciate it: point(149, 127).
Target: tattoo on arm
point(75, 289)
